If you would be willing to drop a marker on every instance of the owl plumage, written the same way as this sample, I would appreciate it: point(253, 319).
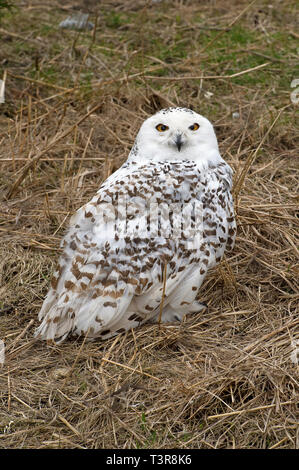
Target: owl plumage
point(160, 221)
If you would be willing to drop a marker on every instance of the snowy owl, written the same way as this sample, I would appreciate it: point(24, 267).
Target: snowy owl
point(141, 248)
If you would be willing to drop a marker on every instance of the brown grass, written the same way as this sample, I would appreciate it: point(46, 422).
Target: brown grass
point(226, 378)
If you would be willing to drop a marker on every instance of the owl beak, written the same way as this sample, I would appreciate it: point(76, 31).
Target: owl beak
point(178, 141)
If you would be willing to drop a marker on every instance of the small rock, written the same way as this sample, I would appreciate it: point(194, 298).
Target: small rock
point(61, 372)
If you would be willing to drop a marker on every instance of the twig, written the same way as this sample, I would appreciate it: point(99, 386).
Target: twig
point(253, 155)
point(131, 369)
point(209, 77)
point(54, 141)
point(20, 336)
point(124, 425)
point(268, 57)
point(113, 133)
point(69, 425)
point(18, 36)
point(294, 34)
point(228, 26)
point(278, 443)
point(239, 412)
point(101, 369)
point(38, 82)
point(267, 336)
point(76, 359)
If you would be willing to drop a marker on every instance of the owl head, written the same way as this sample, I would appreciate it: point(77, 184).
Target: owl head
point(176, 134)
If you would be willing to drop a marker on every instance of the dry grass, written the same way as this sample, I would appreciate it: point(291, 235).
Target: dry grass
point(74, 102)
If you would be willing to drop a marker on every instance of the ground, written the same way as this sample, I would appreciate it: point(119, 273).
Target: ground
point(226, 377)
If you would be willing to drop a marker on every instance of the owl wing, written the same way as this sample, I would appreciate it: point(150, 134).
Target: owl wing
point(225, 207)
point(86, 294)
point(219, 225)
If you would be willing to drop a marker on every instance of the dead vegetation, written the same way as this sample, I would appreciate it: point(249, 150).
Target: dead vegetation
point(226, 378)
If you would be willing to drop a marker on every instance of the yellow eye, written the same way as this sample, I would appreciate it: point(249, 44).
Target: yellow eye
point(162, 128)
point(194, 127)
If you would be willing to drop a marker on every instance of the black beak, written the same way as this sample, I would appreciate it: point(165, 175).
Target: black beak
point(178, 141)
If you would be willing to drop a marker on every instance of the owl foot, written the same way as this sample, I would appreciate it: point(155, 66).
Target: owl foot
point(171, 314)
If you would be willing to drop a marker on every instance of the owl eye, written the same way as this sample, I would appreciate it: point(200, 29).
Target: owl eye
point(162, 128)
point(194, 127)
